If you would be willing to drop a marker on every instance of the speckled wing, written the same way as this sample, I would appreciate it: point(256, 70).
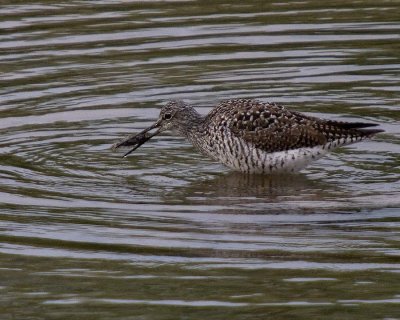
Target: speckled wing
point(272, 128)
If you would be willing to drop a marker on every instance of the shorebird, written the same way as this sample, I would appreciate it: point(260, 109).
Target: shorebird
point(253, 136)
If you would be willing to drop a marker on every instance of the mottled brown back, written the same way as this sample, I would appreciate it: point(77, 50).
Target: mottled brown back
point(271, 127)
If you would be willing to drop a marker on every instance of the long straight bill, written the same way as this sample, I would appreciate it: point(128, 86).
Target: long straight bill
point(137, 140)
point(140, 139)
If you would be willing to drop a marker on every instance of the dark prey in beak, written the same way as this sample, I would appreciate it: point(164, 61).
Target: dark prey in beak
point(136, 140)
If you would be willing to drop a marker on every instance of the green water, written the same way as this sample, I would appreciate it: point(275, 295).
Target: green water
point(167, 233)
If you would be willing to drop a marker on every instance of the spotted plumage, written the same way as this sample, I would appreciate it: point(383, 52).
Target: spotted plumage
point(253, 136)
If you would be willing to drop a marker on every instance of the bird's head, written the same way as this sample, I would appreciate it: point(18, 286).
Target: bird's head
point(175, 116)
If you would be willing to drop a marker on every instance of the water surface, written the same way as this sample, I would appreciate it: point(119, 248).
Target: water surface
point(167, 233)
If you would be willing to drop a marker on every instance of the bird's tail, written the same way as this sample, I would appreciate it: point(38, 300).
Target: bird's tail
point(362, 128)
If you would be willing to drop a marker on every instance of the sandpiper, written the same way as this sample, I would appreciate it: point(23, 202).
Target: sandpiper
point(253, 136)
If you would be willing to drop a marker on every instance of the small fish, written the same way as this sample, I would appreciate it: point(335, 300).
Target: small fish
point(135, 140)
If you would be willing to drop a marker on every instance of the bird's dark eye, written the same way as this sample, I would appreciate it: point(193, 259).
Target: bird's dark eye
point(167, 116)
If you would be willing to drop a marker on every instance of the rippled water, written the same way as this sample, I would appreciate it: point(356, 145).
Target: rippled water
point(166, 233)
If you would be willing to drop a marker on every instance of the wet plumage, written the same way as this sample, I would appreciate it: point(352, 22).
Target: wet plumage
point(253, 136)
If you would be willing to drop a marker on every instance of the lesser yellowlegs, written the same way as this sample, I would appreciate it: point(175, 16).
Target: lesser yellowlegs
point(252, 136)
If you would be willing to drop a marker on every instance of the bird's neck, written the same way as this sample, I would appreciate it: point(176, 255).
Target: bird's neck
point(193, 129)
point(191, 124)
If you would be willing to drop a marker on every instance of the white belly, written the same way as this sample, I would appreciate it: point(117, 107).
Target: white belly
point(243, 156)
point(277, 162)
point(246, 158)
